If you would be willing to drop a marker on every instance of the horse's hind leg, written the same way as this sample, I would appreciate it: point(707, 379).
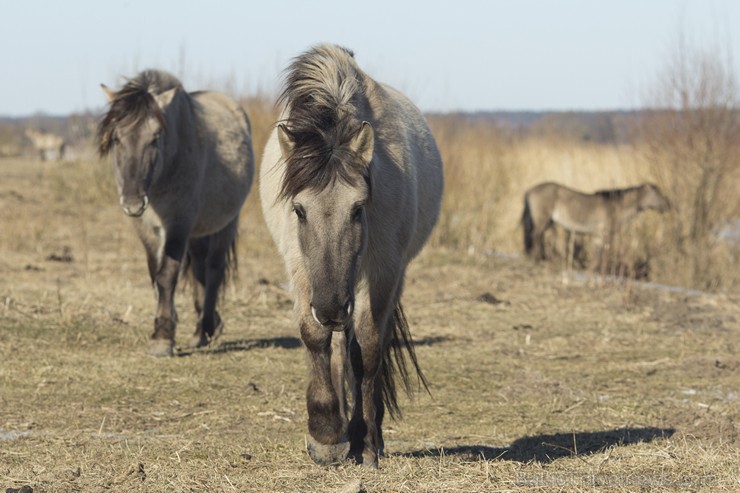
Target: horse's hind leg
point(373, 326)
point(197, 252)
point(568, 255)
point(540, 226)
point(210, 270)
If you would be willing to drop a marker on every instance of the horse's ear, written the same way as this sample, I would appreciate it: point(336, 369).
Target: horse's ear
point(110, 94)
point(364, 142)
point(286, 140)
point(165, 98)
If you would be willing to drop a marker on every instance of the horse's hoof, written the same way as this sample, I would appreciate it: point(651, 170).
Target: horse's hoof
point(217, 331)
point(368, 459)
point(326, 455)
point(365, 458)
point(160, 347)
point(197, 341)
point(201, 339)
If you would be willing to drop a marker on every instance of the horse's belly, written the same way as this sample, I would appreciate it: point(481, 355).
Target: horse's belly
point(208, 224)
point(569, 223)
point(221, 200)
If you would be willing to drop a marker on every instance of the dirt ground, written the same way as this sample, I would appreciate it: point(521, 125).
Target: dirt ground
point(535, 385)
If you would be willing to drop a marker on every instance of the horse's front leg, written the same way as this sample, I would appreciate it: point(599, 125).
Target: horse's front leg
point(371, 331)
point(339, 372)
point(327, 424)
point(165, 282)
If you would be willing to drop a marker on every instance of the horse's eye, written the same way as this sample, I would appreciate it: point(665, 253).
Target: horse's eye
point(300, 212)
point(357, 213)
point(155, 141)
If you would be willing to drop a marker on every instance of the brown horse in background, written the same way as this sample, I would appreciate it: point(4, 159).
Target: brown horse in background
point(601, 213)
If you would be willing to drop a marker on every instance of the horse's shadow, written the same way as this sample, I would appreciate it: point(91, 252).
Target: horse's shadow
point(432, 340)
point(245, 345)
point(287, 342)
point(547, 448)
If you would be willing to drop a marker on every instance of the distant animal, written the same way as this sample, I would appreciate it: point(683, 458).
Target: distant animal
point(351, 185)
point(599, 213)
point(48, 145)
point(183, 165)
point(729, 232)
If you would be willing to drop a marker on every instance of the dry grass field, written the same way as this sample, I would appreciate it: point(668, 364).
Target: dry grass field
point(488, 170)
point(535, 386)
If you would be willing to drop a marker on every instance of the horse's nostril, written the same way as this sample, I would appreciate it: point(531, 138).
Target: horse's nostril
point(134, 208)
point(335, 318)
point(315, 316)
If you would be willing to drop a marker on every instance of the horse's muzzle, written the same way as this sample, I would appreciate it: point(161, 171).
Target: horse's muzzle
point(335, 322)
point(134, 209)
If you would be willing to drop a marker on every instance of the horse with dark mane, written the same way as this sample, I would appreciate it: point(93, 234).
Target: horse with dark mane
point(600, 213)
point(351, 186)
point(183, 164)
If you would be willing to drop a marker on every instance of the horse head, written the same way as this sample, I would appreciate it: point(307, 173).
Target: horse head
point(134, 131)
point(329, 192)
point(651, 197)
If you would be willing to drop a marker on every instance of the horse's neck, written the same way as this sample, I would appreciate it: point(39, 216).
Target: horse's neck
point(627, 206)
point(185, 127)
point(371, 101)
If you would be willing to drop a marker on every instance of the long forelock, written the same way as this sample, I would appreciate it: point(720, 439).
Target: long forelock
point(133, 105)
point(316, 167)
point(322, 95)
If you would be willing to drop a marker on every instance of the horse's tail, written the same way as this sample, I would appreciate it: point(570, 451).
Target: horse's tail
point(232, 259)
point(527, 226)
point(231, 267)
point(394, 362)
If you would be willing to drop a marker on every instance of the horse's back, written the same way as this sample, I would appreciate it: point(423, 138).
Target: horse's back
point(406, 142)
point(571, 209)
point(229, 129)
point(228, 154)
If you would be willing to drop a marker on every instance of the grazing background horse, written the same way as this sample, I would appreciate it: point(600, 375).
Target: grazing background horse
point(46, 144)
point(601, 213)
point(351, 186)
point(183, 164)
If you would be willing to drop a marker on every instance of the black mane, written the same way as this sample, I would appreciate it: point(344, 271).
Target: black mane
point(616, 193)
point(324, 91)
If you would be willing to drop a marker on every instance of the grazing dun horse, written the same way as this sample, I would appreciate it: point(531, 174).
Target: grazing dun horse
point(601, 213)
point(46, 144)
point(183, 165)
point(351, 185)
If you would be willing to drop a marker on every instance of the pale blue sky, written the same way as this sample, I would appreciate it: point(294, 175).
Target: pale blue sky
point(446, 55)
